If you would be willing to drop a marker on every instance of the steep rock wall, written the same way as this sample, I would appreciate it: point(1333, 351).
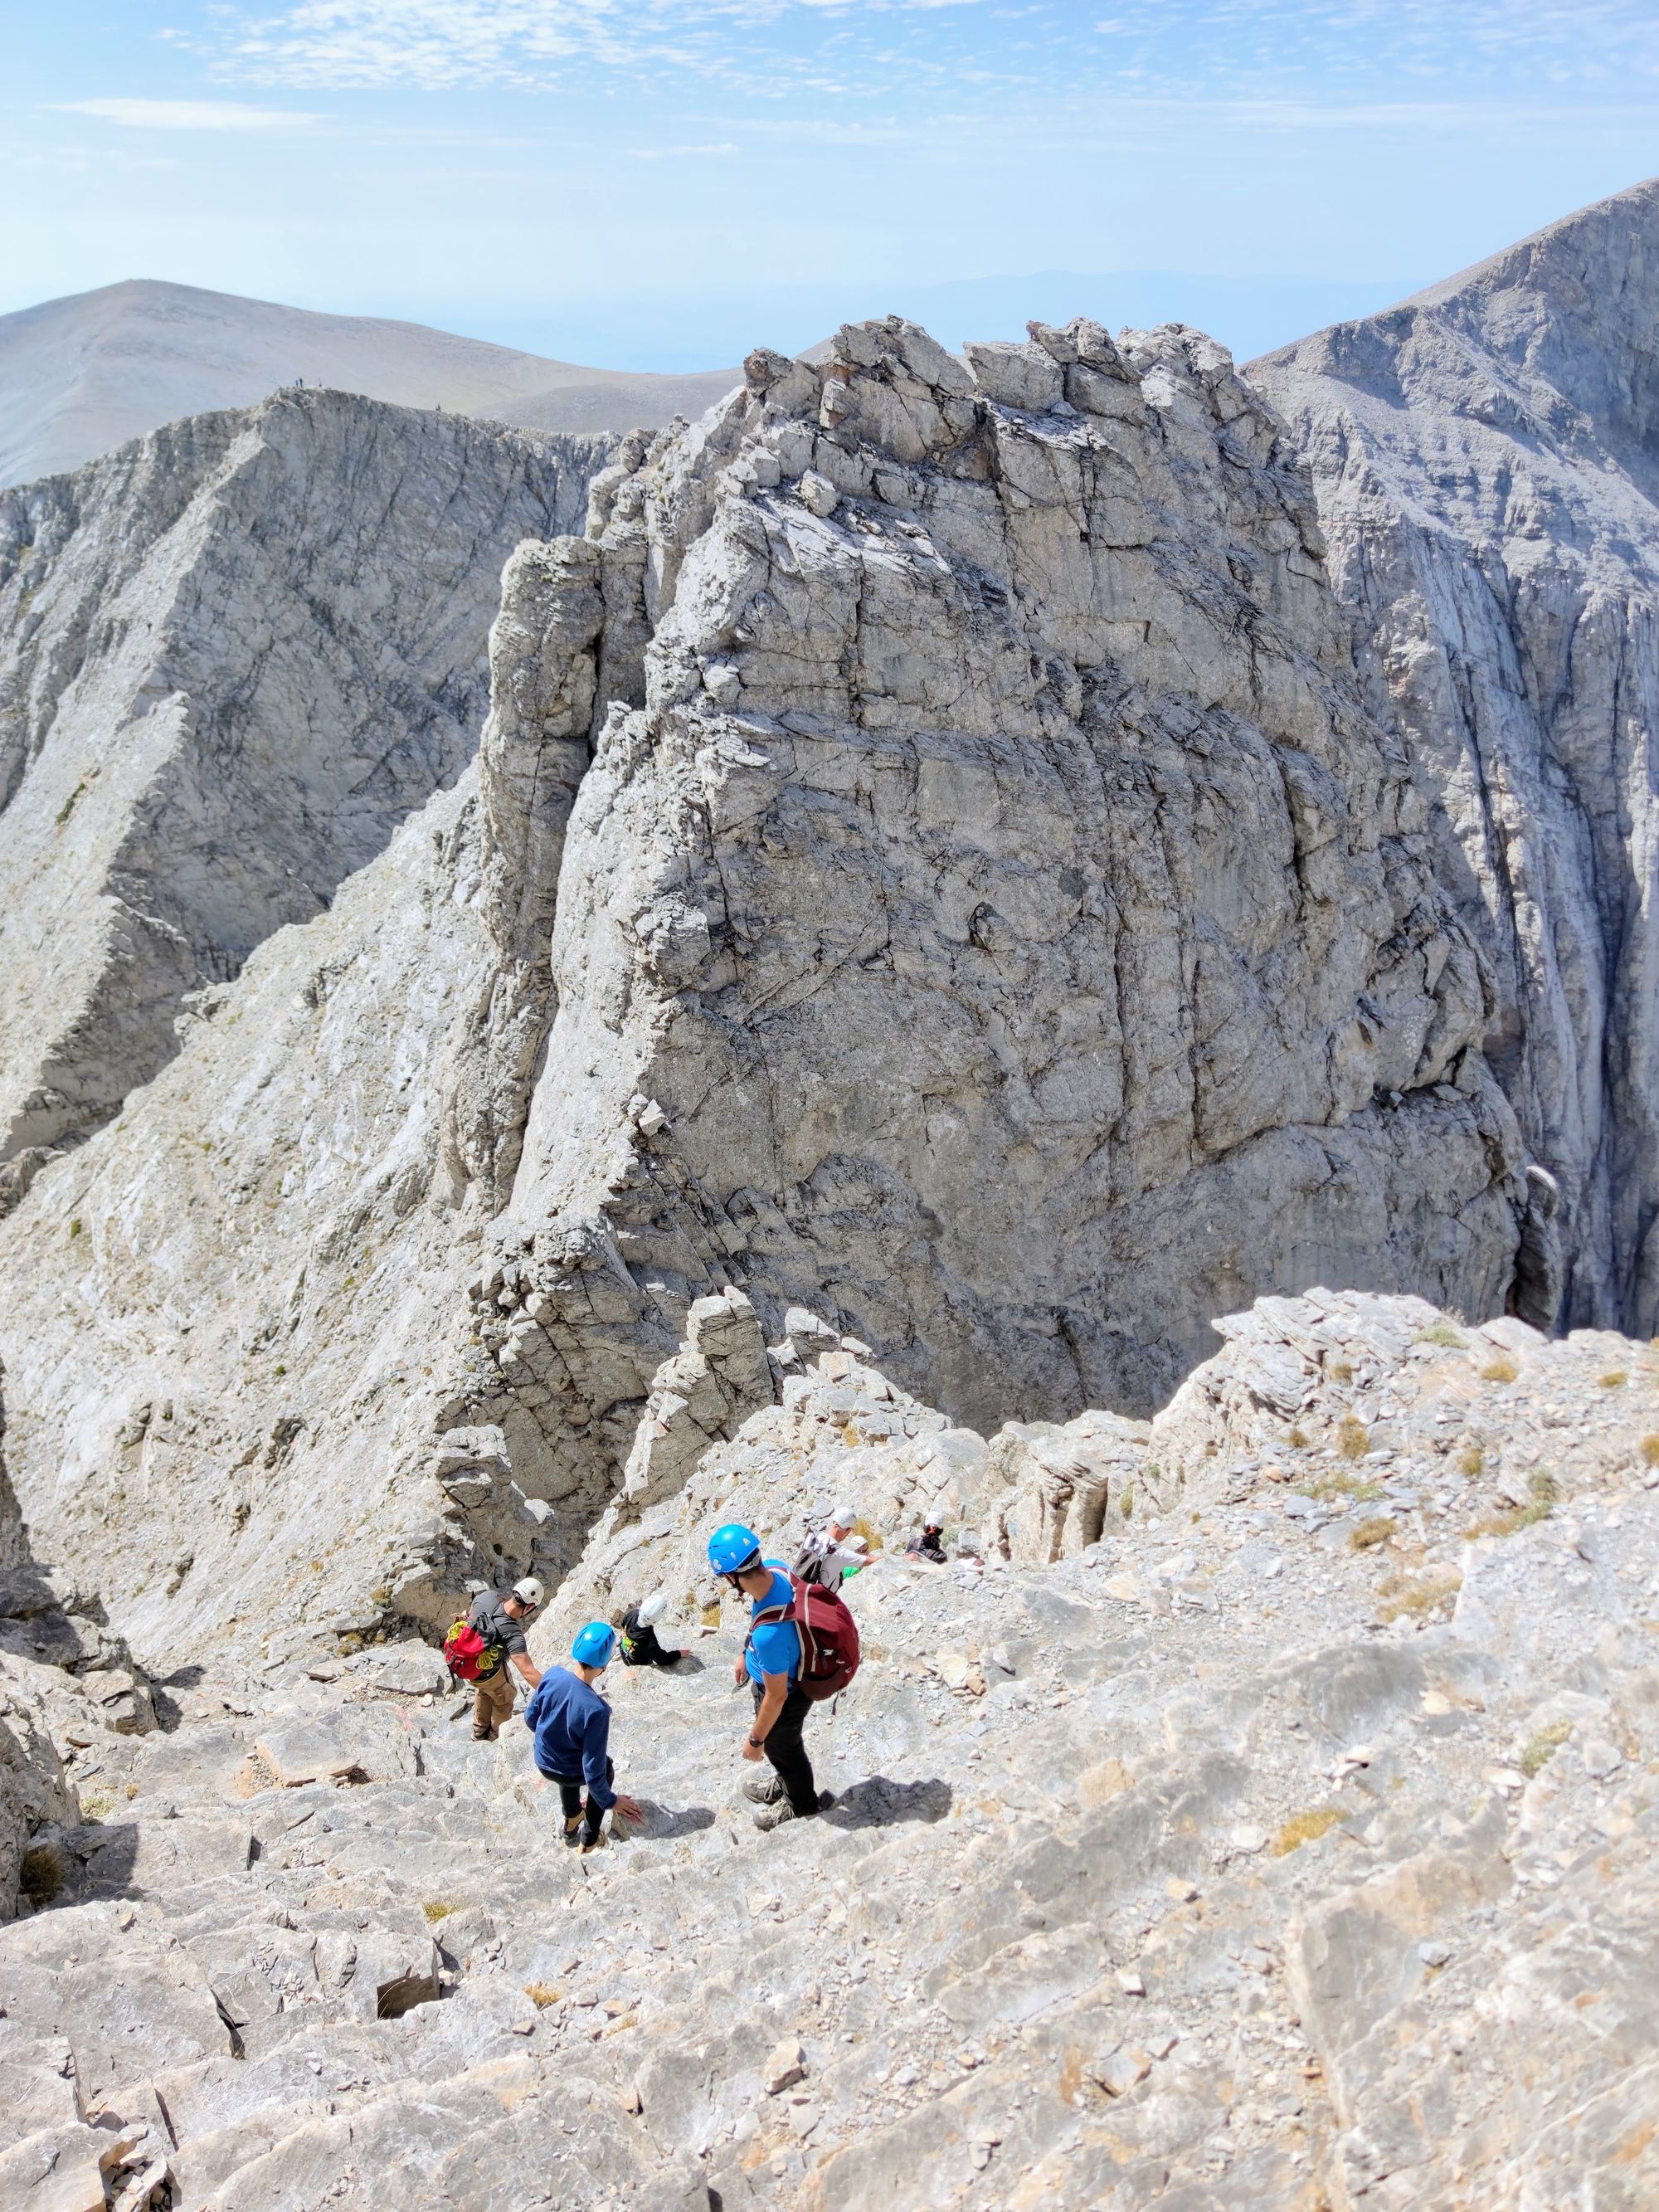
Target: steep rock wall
point(991, 914)
point(233, 657)
point(1485, 458)
point(227, 1316)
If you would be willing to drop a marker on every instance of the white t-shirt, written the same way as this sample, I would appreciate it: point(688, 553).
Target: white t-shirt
point(834, 1559)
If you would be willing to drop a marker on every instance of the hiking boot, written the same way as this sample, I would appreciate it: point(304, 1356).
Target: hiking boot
point(773, 1816)
point(573, 1832)
point(762, 1790)
point(483, 1735)
point(595, 1842)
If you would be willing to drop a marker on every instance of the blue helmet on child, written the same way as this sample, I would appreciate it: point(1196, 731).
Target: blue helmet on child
point(733, 1549)
point(594, 1645)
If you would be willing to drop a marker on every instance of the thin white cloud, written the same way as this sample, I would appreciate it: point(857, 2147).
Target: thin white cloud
point(187, 114)
point(679, 153)
point(839, 50)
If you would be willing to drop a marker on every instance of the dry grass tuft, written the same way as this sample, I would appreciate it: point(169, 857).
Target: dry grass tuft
point(1500, 1368)
point(1353, 1439)
point(1614, 1381)
point(1443, 1333)
point(437, 1909)
point(541, 1995)
point(1543, 1746)
point(1650, 1448)
point(1297, 1441)
point(1470, 1460)
point(1338, 1483)
point(1369, 1534)
point(1339, 1370)
point(1305, 1829)
point(1511, 1522)
point(1418, 1597)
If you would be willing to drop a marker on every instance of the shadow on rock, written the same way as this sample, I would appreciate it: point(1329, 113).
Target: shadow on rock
point(879, 1803)
point(662, 1823)
point(168, 1710)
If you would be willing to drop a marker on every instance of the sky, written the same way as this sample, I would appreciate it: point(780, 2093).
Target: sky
point(664, 183)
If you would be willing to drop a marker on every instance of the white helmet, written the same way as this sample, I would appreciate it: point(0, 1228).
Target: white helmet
point(529, 1592)
point(652, 1608)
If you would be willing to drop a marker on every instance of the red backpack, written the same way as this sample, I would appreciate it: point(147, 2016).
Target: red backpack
point(467, 1656)
point(828, 1637)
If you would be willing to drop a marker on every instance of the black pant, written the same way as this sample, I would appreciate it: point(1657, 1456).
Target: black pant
point(788, 1755)
point(570, 1797)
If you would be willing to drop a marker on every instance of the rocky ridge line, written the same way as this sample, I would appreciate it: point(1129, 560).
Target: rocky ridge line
point(986, 863)
point(1482, 456)
point(237, 655)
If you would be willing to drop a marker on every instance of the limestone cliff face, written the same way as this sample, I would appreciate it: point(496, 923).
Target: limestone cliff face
point(236, 655)
point(1485, 458)
point(990, 916)
point(227, 1316)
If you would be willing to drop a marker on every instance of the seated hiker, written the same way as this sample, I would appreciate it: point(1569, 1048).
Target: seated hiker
point(832, 1552)
point(569, 1724)
point(928, 1546)
point(639, 1646)
point(500, 1617)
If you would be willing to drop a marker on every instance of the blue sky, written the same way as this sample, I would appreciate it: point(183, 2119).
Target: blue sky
point(663, 184)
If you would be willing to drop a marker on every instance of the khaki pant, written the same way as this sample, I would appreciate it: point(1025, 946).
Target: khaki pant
point(493, 1704)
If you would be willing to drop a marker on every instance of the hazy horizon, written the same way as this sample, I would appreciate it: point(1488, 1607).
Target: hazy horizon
point(676, 335)
point(656, 183)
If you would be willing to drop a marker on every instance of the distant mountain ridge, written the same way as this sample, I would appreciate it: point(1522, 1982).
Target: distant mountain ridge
point(82, 376)
point(1485, 460)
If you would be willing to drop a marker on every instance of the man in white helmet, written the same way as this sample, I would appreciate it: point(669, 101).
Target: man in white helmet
point(640, 1645)
point(832, 1551)
point(501, 1618)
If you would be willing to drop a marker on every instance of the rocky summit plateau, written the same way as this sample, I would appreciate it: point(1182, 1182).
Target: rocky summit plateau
point(560, 990)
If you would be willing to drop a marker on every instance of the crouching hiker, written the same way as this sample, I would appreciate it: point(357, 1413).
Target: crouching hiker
point(802, 1646)
point(569, 1724)
point(929, 1546)
point(639, 1646)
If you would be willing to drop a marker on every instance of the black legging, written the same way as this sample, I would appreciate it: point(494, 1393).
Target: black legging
point(570, 1797)
point(788, 1755)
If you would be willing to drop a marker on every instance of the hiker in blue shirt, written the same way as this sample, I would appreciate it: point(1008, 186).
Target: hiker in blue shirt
point(771, 1659)
point(569, 1725)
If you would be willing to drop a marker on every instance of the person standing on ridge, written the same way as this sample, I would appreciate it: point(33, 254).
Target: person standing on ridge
point(771, 1658)
point(500, 1617)
point(639, 1646)
point(569, 1725)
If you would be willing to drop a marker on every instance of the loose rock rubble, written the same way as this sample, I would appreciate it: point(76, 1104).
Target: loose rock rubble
point(1237, 1857)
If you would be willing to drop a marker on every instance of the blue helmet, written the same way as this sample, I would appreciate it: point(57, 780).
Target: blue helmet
point(594, 1645)
point(733, 1549)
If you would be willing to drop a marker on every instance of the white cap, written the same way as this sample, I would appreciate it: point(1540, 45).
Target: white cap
point(843, 1516)
point(652, 1608)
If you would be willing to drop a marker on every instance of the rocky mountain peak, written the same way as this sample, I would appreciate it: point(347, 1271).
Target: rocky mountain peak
point(979, 875)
